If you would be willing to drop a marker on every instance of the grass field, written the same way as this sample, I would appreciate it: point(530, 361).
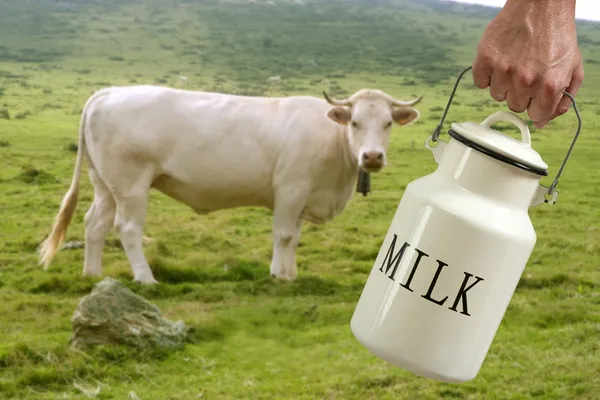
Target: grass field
point(256, 338)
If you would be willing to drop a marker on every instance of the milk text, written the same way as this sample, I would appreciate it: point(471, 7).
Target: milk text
point(391, 263)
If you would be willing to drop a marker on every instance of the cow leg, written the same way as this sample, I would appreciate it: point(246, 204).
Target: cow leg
point(287, 226)
point(130, 218)
point(98, 221)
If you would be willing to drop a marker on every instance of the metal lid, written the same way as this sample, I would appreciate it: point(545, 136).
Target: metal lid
point(502, 147)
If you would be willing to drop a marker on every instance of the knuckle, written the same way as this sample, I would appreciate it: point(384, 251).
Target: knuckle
point(484, 56)
point(492, 61)
point(550, 87)
point(502, 67)
point(525, 77)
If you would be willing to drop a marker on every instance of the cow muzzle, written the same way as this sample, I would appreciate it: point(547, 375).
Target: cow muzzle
point(372, 161)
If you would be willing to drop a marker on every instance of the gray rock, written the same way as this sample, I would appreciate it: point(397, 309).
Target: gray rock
point(113, 314)
point(73, 245)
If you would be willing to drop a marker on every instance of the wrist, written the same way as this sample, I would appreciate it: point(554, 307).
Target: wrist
point(555, 8)
point(554, 17)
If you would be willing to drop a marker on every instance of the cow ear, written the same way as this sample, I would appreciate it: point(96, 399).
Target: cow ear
point(405, 115)
point(340, 115)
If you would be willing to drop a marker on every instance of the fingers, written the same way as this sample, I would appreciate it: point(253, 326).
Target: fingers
point(481, 72)
point(499, 86)
point(528, 87)
point(517, 100)
point(516, 88)
point(576, 80)
point(564, 102)
point(545, 101)
point(574, 85)
point(521, 91)
point(484, 75)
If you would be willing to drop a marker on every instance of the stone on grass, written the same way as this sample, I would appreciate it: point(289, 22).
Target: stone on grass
point(73, 245)
point(113, 314)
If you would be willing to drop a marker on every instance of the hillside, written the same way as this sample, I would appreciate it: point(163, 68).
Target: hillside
point(237, 45)
point(255, 337)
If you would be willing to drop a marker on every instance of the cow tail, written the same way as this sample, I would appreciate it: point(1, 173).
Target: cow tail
point(52, 243)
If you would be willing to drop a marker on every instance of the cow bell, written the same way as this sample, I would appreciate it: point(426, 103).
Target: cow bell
point(363, 185)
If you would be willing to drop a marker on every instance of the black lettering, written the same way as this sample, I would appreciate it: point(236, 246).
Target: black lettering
point(393, 260)
point(414, 269)
point(462, 293)
point(427, 296)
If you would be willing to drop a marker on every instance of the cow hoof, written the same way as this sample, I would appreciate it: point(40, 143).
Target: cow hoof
point(283, 277)
point(146, 281)
point(92, 274)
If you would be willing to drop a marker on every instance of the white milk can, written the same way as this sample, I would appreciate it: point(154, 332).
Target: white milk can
point(455, 251)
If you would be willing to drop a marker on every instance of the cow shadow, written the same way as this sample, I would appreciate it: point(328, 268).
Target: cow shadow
point(244, 278)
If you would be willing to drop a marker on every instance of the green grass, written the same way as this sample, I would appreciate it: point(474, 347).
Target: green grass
point(254, 337)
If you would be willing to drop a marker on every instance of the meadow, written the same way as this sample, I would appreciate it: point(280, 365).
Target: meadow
point(254, 337)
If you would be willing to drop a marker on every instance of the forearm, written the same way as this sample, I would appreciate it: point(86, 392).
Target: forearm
point(543, 8)
point(546, 21)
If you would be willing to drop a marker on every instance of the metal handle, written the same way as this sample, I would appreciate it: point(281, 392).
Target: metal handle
point(552, 189)
point(438, 129)
point(562, 167)
point(507, 116)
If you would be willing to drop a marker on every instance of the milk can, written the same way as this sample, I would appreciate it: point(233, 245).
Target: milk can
point(455, 251)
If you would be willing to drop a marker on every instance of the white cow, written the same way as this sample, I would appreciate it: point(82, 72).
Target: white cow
point(297, 156)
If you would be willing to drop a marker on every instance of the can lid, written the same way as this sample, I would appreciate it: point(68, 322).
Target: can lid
point(493, 143)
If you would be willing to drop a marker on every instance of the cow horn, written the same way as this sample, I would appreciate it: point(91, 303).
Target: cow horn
point(400, 103)
point(344, 103)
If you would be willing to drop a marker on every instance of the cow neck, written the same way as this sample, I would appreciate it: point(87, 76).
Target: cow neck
point(347, 156)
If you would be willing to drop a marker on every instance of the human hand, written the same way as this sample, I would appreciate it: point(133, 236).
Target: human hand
point(528, 55)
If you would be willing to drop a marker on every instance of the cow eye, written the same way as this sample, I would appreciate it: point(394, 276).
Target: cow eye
point(388, 124)
point(354, 124)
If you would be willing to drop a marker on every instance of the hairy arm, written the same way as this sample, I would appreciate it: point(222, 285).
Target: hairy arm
point(528, 55)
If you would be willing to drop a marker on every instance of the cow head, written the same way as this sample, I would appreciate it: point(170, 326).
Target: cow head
point(368, 116)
